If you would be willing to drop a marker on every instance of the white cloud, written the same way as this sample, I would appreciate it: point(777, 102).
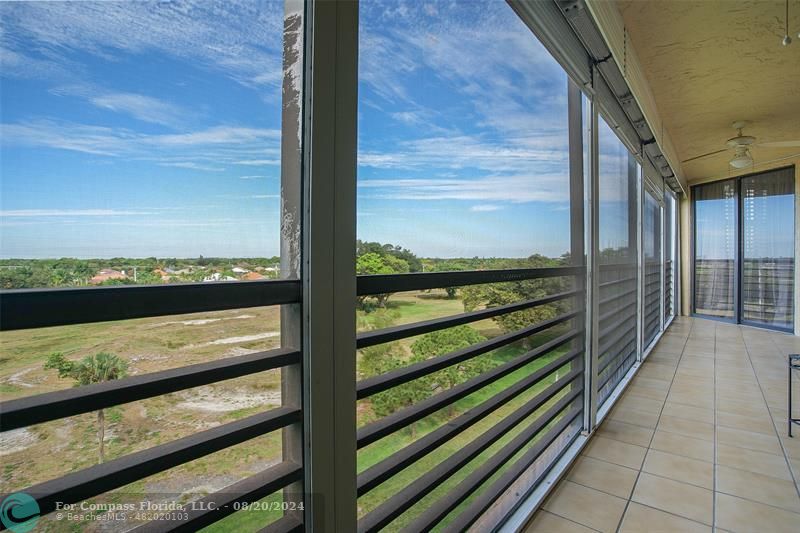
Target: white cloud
point(209, 148)
point(485, 207)
point(23, 213)
point(257, 162)
point(142, 107)
point(514, 188)
point(192, 166)
point(253, 177)
point(243, 40)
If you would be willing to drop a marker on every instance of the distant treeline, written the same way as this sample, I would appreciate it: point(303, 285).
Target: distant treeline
point(66, 272)
point(372, 258)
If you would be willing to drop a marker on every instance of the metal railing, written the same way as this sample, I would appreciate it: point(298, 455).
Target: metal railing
point(652, 301)
point(617, 322)
point(533, 420)
point(558, 404)
point(23, 309)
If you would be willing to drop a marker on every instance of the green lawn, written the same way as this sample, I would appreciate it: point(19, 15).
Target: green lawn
point(167, 342)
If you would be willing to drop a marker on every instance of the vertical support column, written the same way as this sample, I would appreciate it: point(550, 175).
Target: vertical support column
point(677, 271)
point(640, 292)
point(592, 278)
point(634, 234)
point(291, 230)
point(318, 246)
point(576, 204)
point(329, 282)
point(662, 278)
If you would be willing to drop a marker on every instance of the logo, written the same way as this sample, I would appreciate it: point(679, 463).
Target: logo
point(19, 512)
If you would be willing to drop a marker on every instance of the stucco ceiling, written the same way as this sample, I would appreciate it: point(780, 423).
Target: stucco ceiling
point(712, 62)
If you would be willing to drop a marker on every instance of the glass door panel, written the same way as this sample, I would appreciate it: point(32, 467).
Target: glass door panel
point(715, 249)
point(768, 249)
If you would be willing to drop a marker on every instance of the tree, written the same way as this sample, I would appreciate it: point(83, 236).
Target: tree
point(442, 342)
point(374, 263)
point(414, 262)
point(96, 368)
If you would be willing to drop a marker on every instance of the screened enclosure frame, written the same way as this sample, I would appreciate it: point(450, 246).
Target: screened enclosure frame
point(319, 384)
point(738, 248)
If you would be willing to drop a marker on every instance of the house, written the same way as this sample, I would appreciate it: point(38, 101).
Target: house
point(105, 275)
point(216, 276)
point(240, 270)
point(252, 276)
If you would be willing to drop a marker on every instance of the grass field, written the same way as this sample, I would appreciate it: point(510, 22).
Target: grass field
point(49, 450)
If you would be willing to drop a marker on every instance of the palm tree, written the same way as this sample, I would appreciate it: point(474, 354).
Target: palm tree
point(96, 368)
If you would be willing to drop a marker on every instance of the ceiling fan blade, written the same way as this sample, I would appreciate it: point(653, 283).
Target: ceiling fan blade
point(704, 155)
point(781, 144)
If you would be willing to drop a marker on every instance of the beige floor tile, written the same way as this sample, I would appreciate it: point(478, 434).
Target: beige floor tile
point(544, 522)
point(586, 506)
point(604, 476)
point(758, 487)
point(657, 384)
point(640, 403)
point(690, 372)
point(704, 363)
point(614, 451)
point(679, 468)
point(747, 423)
point(646, 392)
point(753, 461)
point(639, 518)
point(749, 440)
point(629, 433)
point(791, 444)
point(674, 497)
point(683, 445)
point(635, 417)
point(704, 401)
point(684, 426)
point(689, 412)
point(737, 514)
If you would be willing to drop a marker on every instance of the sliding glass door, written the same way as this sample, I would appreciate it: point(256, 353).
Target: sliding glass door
point(768, 249)
point(744, 249)
point(715, 249)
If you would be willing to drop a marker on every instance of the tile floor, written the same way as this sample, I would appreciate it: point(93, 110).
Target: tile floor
point(698, 442)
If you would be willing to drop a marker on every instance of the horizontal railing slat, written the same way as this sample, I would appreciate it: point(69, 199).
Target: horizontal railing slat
point(48, 406)
point(400, 501)
point(116, 473)
point(371, 338)
point(373, 385)
point(400, 419)
point(443, 506)
point(613, 282)
point(484, 501)
point(621, 360)
point(398, 461)
point(383, 283)
point(619, 296)
point(218, 505)
point(34, 308)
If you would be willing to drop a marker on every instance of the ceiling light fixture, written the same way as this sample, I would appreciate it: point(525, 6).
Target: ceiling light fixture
point(742, 158)
point(786, 39)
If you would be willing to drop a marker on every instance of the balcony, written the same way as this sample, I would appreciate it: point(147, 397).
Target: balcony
point(422, 266)
point(697, 441)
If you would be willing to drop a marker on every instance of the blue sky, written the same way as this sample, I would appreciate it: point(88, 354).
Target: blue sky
point(153, 129)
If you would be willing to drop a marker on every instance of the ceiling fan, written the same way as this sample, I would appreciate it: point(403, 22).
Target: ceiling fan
point(741, 144)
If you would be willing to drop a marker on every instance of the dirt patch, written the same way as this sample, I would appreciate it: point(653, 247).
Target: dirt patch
point(202, 321)
point(215, 401)
point(16, 379)
point(16, 440)
point(236, 340)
